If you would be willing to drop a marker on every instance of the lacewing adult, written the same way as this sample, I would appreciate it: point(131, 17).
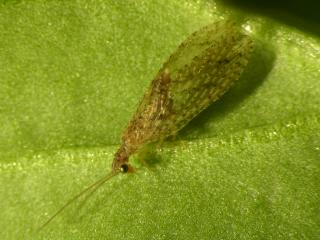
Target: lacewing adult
point(198, 73)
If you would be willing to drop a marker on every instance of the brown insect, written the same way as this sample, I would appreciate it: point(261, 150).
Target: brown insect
point(201, 70)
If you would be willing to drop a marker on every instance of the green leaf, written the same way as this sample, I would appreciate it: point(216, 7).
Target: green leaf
point(71, 75)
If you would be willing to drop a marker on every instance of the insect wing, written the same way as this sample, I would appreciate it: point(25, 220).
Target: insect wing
point(202, 69)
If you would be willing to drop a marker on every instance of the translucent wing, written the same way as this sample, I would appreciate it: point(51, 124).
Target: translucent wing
point(202, 69)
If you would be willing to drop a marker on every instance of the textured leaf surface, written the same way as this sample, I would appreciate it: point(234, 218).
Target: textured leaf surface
point(71, 75)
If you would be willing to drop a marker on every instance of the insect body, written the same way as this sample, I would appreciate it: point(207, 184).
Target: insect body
point(201, 70)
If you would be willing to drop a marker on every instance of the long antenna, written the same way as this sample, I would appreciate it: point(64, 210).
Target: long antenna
point(93, 186)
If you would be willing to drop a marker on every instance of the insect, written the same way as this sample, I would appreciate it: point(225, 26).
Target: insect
point(198, 73)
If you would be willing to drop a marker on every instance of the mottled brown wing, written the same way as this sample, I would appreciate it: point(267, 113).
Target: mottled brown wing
point(202, 69)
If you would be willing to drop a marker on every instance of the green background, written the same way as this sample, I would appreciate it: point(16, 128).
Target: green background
point(71, 75)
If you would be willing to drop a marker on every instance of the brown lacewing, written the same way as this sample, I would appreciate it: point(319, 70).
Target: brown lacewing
point(198, 73)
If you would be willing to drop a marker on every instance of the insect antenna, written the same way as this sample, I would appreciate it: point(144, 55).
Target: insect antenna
point(93, 187)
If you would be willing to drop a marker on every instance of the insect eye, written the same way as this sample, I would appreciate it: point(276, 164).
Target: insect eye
point(124, 168)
